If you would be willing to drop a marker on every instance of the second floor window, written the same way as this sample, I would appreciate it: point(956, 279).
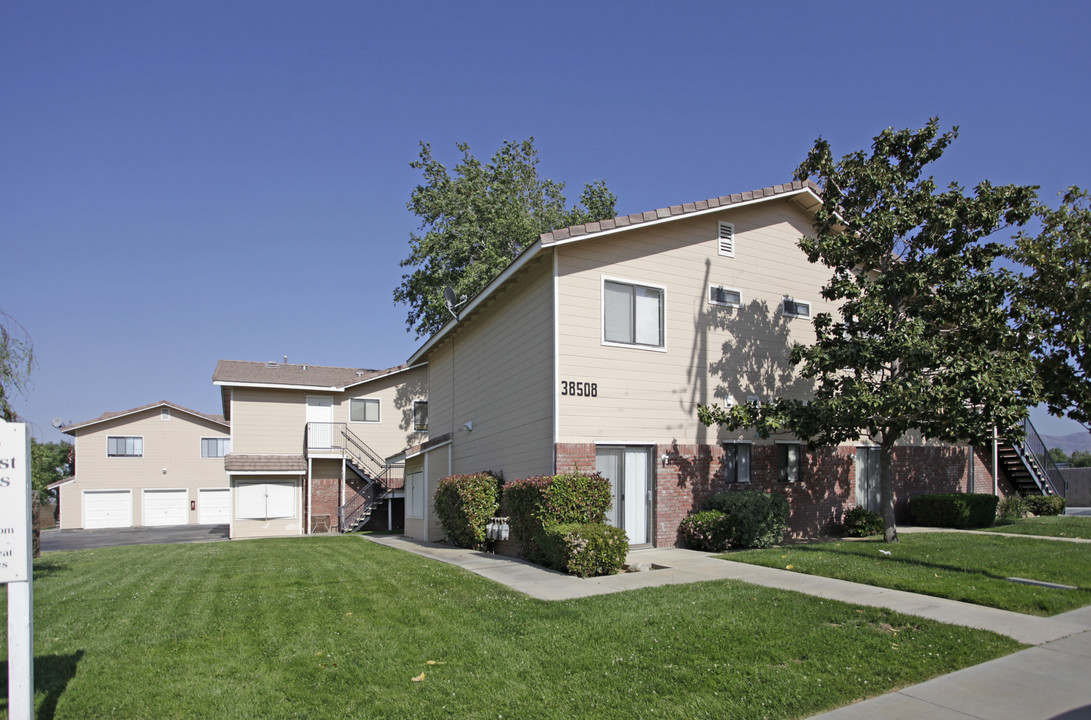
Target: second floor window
point(632, 314)
point(215, 447)
point(124, 446)
point(361, 410)
point(420, 414)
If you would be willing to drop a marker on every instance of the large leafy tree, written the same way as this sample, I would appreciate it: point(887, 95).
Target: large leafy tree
point(1053, 302)
point(49, 462)
point(16, 361)
point(922, 341)
point(476, 219)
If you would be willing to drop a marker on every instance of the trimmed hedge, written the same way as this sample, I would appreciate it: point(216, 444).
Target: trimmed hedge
point(861, 522)
point(954, 510)
point(707, 530)
point(465, 504)
point(755, 519)
point(583, 549)
point(538, 502)
point(1045, 504)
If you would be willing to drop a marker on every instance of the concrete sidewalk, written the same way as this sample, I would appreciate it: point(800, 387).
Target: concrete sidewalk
point(1048, 682)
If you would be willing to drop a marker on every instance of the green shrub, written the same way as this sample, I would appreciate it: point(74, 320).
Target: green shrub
point(540, 502)
point(1045, 504)
point(585, 550)
point(861, 522)
point(465, 504)
point(706, 530)
point(756, 519)
point(954, 510)
point(1011, 507)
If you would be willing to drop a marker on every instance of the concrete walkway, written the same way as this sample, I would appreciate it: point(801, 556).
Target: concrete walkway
point(1051, 681)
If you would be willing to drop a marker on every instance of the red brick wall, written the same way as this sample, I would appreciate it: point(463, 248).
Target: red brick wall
point(325, 485)
point(817, 502)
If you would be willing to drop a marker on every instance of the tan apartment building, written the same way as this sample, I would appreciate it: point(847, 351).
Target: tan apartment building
point(309, 444)
point(158, 464)
point(595, 347)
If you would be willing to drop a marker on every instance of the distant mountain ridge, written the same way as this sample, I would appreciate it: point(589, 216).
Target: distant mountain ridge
point(1069, 443)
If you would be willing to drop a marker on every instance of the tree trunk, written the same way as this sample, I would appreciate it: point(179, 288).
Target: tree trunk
point(36, 522)
point(886, 489)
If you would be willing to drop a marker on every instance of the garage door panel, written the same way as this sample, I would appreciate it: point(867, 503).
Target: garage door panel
point(166, 507)
point(107, 509)
point(214, 506)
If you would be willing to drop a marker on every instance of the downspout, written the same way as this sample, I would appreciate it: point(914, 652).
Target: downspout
point(996, 460)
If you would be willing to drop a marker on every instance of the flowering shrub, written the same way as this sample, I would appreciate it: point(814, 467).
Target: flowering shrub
point(583, 549)
point(465, 503)
point(706, 530)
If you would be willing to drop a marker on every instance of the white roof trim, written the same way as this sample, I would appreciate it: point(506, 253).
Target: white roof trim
point(79, 426)
point(430, 448)
point(320, 388)
point(686, 215)
point(296, 473)
point(529, 254)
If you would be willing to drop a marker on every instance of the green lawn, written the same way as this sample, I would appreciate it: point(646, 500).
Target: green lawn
point(339, 627)
point(1054, 526)
point(961, 566)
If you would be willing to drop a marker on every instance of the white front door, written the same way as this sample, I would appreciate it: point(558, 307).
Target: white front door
point(319, 410)
point(214, 506)
point(629, 470)
point(868, 495)
point(166, 507)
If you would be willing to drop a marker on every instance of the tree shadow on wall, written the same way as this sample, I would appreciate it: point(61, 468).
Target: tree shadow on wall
point(406, 393)
point(51, 676)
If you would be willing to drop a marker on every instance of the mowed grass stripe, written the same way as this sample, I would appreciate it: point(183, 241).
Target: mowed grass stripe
point(338, 627)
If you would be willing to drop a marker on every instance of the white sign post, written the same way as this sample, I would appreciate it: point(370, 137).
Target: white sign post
point(16, 569)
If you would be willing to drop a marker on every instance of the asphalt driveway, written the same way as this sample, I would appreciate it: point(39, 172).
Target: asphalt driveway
point(82, 539)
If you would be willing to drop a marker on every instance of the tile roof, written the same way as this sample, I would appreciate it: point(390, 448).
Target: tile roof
point(622, 221)
point(162, 403)
point(234, 462)
point(241, 372)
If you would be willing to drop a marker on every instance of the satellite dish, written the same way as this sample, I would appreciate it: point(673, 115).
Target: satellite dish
point(57, 422)
point(452, 301)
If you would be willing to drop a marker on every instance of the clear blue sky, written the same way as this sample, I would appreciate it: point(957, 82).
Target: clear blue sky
point(189, 181)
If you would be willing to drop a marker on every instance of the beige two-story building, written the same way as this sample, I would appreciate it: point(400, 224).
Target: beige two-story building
point(595, 347)
point(158, 464)
point(309, 444)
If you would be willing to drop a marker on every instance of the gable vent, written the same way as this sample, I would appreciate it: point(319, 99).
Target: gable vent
point(727, 239)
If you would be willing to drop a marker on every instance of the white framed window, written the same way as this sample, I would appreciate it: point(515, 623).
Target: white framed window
point(129, 446)
point(726, 239)
point(364, 410)
point(215, 447)
point(789, 459)
point(796, 308)
point(737, 462)
point(164, 414)
point(265, 500)
point(632, 314)
point(725, 296)
point(414, 495)
point(420, 414)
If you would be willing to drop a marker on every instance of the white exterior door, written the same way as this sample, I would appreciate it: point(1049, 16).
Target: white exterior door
point(107, 508)
point(214, 506)
point(319, 410)
point(166, 507)
point(868, 494)
point(629, 471)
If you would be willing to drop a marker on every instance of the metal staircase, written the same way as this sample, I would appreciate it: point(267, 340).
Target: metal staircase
point(380, 478)
point(1029, 465)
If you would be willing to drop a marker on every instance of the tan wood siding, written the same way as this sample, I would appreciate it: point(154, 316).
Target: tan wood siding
point(268, 421)
point(710, 351)
point(172, 445)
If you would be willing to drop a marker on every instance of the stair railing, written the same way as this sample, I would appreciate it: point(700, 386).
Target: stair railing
point(1036, 450)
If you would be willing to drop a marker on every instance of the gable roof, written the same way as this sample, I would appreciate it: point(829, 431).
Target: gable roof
point(804, 192)
point(241, 373)
point(218, 419)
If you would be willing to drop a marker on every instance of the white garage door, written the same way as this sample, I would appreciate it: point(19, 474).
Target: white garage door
point(214, 506)
point(107, 508)
point(166, 507)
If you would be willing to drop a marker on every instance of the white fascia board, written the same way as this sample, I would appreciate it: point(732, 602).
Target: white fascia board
point(427, 449)
point(384, 375)
point(312, 388)
point(684, 216)
point(529, 254)
point(295, 473)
